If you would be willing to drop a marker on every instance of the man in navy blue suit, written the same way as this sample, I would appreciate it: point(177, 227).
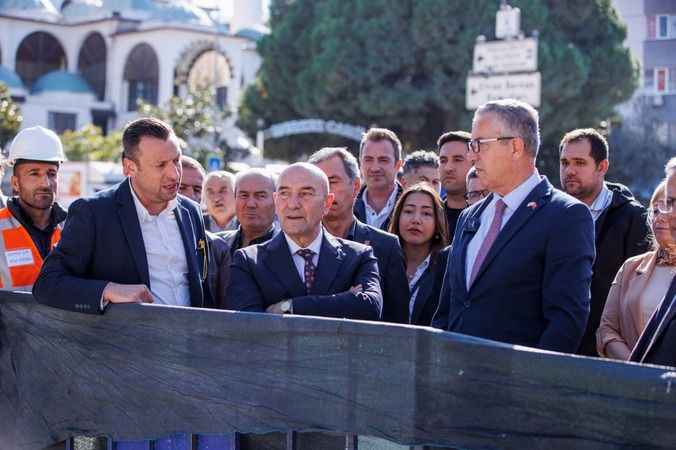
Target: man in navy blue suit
point(136, 242)
point(521, 264)
point(342, 170)
point(305, 270)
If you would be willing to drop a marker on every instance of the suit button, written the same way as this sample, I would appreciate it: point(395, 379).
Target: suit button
point(466, 303)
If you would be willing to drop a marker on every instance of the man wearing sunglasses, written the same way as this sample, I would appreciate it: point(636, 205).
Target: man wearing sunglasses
point(521, 264)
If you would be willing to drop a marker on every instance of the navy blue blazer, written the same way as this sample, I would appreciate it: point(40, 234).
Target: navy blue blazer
point(429, 287)
point(533, 287)
point(102, 242)
point(265, 274)
point(393, 282)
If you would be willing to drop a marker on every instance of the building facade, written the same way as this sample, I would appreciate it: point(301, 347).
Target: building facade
point(651, 36)
point(74, 62)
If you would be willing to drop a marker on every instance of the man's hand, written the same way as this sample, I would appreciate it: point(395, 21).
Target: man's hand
point(278, 308)
point(127, 293)
point(356, 289)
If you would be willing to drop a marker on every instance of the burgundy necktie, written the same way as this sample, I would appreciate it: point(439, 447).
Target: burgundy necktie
point(310, 268)
point(489, 240)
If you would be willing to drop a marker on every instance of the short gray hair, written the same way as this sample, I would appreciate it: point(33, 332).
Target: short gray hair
point(520, 119)
point(264, 173)
point(471, 173)
point(221, 175)
point(670, 166)
point(349, 161)
point(420, 158)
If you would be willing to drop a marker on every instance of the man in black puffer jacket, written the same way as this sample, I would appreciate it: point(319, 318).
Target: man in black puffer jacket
point(621, 226)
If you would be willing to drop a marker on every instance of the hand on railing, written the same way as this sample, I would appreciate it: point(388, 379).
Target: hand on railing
point(126, 293)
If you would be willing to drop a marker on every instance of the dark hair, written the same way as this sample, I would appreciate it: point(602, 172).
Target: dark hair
point(599, 145)
point(143, 127)
point(381, 134)
point(440, 237)
point(453, 136)
point(420, 158)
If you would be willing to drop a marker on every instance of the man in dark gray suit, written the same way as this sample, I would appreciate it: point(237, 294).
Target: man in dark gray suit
point(304, 270)
point(342, 170)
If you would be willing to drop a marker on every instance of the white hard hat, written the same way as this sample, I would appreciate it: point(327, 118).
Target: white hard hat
point(36, 144)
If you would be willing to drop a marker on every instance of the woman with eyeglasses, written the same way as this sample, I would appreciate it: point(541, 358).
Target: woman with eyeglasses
point(475, 188)
point(640, 284)
point(420, 222)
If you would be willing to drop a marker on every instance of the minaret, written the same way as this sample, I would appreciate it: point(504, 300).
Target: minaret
point(246, 14)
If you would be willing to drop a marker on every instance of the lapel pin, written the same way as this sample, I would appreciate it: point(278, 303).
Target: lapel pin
point(532, 205)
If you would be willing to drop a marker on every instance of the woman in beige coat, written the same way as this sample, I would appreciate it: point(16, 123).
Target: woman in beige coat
point(639, 285)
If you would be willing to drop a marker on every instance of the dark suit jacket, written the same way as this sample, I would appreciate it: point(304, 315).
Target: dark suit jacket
point(393, 282)
point(265, 274)
point(218, 273)
point(102, 242)
point(657, 344)
point(234, 238)
point(533, 287)
point(360, 208)
point(429, 286)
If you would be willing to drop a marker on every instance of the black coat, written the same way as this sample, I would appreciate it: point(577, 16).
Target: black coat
point(621, 232)
point(393, 282)
point(429, 288)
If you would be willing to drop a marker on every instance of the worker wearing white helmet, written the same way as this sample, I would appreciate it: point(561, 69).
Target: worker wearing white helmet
point(30, 224)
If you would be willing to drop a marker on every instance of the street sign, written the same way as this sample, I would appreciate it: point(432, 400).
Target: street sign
point(507, 22)
point(506, 56)
point(214, 163)
point(481, 89)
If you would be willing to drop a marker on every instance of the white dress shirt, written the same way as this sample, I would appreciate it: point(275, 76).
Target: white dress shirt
point(377, 219)
point(601, 202)
point(513, 200)
point(298, 260)
point(167, 263)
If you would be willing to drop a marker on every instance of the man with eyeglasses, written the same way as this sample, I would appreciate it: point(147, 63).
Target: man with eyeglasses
point(475, 188)
point(657, 344)
point(521, 262)
point(305, 270)
point(620, 220)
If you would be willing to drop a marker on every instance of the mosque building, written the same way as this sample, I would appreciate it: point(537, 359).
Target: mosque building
point(74, 62)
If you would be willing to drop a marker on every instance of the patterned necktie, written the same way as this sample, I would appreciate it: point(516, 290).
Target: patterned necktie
point(310, 268)
point(490, 238)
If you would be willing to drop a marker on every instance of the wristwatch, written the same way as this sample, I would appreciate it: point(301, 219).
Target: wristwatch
point(286, 306)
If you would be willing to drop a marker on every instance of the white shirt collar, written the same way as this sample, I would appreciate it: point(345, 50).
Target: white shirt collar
point(602, 201)
point(143, 213)
point(514, 199)
point(315, 245)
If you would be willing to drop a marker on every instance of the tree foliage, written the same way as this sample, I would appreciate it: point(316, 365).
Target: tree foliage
point(89, 143)
point(195, 118)
point(403, 64)
point(10, 117)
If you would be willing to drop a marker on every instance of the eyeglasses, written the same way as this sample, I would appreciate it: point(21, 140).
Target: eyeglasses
point(474, 145)
point(475, 196)
point(664, 207)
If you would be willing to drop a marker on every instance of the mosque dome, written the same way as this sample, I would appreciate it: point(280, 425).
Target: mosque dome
point(61, 81)
point(32, 9)
point(181, 11)
point(10, 78)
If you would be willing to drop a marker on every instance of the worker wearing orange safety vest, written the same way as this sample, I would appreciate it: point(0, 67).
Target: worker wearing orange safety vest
point(30, 223)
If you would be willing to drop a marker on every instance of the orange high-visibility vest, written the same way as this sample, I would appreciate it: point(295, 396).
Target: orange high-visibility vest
point(20, 262)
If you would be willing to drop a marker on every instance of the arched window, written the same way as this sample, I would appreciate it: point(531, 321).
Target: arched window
point(142, 73)
point(92, 63)
point(211, 71)
point(38, 54)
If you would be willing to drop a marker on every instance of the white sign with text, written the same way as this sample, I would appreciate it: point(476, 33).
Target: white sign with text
point(506, 56)
point(525, 87)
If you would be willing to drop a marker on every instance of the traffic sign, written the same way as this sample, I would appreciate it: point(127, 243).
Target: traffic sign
point(481, 89)
point(506, 56)
point(214, 163)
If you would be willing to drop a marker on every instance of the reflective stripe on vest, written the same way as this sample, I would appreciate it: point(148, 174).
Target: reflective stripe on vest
point(21, 262)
